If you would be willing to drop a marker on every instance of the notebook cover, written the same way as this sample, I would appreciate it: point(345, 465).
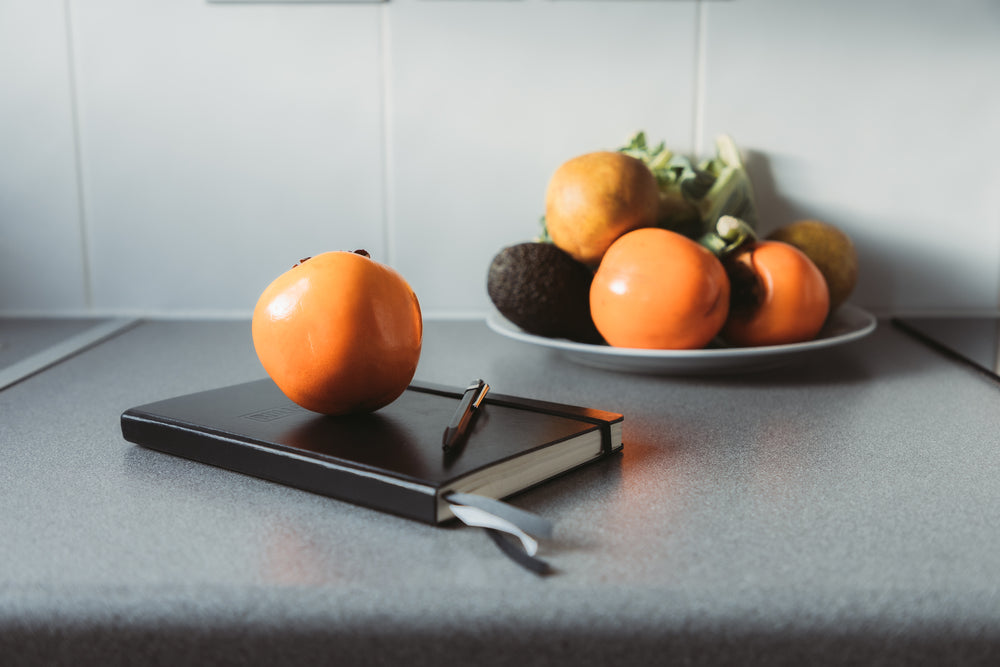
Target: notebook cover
point(389, 460)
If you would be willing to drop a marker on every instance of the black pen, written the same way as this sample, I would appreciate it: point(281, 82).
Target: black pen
point(471, 399)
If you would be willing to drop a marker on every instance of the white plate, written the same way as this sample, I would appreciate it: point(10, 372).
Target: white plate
point(848, 324)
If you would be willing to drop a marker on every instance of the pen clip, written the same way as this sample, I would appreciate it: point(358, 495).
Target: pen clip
point(471, 400)
point(482, 388)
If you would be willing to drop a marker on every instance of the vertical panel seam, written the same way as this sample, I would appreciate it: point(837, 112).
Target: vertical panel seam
point(85, 264)
point(385, 91)
point(700, 54)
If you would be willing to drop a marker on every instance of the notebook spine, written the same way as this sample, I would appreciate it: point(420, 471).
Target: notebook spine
point(361, 487)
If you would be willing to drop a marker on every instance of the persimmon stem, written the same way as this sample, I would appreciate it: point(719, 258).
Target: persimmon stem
point(729, 235)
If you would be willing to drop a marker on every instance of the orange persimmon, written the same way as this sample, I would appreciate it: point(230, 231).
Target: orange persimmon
point(339, 333)
point(779, 296)
point(657, 289)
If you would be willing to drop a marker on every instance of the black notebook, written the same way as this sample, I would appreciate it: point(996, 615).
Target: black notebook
point(389, 460)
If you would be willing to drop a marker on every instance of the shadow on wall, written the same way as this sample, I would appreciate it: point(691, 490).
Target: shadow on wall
point(894, 270)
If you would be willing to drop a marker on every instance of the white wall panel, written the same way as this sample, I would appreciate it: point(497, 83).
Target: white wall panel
point(488, 98)
point(880, 117)
point(41, 259)
point(221, 143)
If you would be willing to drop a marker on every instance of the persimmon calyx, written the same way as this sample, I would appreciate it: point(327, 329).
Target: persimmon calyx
point(746, 290)
point(359, 251)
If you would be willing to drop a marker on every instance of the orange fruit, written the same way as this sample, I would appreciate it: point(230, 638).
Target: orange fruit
point(779, 296)
point(658, 289)
point(339, 333)
point(594, 198)
point(830, 249)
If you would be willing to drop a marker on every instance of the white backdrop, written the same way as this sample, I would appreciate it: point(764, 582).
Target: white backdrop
point(170, 157)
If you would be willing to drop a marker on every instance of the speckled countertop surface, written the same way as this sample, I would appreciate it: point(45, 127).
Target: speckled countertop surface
point(841, 510)
point(23, 337)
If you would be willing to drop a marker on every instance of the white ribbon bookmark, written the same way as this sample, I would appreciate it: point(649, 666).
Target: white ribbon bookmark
point(500, 519)
point(473, 516)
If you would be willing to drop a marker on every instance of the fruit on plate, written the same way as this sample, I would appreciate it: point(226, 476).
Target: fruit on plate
point(830, 249)
point(676, 259)
point(543, 290)
point(657, 289)
point(778, 295)
point(593, 199)
point(339, 333)
point(693, 196)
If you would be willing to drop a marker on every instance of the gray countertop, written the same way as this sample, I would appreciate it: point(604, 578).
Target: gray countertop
point(841, 510)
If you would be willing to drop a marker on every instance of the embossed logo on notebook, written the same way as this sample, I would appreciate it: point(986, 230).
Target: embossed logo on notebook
point(271, 414)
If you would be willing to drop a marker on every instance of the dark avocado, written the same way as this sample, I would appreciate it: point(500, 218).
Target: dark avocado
point(543, 290)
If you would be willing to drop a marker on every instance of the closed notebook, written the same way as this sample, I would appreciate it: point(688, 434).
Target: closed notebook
point(390, 460)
